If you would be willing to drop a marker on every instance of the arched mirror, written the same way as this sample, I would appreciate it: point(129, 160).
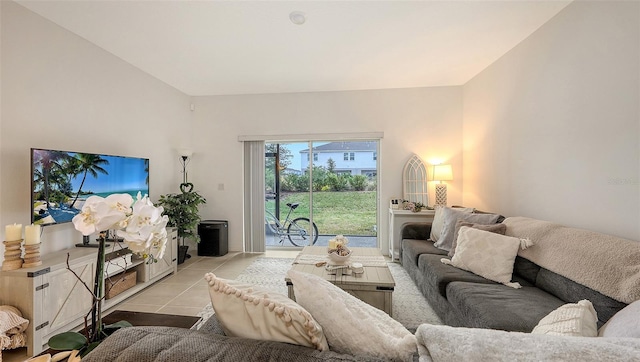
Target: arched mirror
point(414, 181)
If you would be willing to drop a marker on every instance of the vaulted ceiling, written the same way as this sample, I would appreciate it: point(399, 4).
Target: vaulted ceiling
point(249, 47)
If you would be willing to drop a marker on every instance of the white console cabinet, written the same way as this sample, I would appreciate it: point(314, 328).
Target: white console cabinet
point(54, 301)
point(397, 218)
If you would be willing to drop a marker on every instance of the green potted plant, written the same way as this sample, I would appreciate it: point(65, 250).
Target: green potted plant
point(182, 210)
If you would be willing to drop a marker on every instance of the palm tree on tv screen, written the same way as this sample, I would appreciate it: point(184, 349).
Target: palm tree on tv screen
point(49, 161)
point(89, 164)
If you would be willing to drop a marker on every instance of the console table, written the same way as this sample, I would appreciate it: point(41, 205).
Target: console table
point(397, 218)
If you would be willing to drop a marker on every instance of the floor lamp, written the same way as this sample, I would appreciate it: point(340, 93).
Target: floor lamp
point(442, 173)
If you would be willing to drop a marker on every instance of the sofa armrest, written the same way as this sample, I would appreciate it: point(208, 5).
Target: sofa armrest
point(416, 230)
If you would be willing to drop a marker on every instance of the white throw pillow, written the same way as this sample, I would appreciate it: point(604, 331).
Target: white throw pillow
point(351, 325)
point(451, 217)
point(625, 323)
point(438, 219)
point(573, 319)
point(251, 312)
point(487, 254)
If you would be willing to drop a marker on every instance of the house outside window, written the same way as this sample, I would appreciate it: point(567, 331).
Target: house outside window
point(349, 156)
point(315, 156)
point(375, 156)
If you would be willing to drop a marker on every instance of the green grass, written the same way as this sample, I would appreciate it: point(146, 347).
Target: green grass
point(347, 213)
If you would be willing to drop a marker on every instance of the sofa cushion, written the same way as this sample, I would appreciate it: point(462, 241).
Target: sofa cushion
point(169, 344)
point(439, 275)
point(572, 292)
point(451, 217)
point(572, 319)
point(415, 248)
point(497, 306)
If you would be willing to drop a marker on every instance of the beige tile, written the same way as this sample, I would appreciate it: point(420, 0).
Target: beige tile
point(186, 276)
point(158, 294)
point(196, 299)
point(207, 264)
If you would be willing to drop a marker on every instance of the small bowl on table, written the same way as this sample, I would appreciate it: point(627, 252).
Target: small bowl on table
point(340, 256)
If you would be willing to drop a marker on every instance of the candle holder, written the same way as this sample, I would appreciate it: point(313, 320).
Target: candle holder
point(31, 255)
point(12, 253)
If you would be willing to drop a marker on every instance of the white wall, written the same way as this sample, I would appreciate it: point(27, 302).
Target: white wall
point(425, 121)
point(62, 92)
point(552, 129)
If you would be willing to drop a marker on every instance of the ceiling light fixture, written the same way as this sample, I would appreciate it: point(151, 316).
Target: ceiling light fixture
point(298, 17)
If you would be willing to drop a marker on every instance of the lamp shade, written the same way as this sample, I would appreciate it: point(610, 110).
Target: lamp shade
point(185, 152)
point(442, 173)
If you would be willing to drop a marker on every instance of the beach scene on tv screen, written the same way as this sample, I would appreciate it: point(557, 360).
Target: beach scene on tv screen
point(62, 181)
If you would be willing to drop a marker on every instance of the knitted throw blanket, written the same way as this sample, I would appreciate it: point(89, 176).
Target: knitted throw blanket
point(12, 327)
point(605, 263)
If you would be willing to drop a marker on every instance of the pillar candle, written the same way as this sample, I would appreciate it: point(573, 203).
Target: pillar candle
point(13, 232)
point(32, 234)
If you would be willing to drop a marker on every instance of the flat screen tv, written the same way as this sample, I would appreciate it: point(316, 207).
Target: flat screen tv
point(61, 181)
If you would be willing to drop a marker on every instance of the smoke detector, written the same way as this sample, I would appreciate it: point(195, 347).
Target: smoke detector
point(298, 17)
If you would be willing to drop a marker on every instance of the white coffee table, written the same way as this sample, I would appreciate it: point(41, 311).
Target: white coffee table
point(374, 286)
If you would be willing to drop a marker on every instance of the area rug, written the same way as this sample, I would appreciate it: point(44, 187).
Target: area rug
point(409, 305)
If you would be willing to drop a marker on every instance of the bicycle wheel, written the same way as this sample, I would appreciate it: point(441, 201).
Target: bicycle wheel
point(299, 232)
point(272, 222)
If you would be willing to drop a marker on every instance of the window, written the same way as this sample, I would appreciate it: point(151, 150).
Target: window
point(375, 156)
point(315, 156)
point(349, 156)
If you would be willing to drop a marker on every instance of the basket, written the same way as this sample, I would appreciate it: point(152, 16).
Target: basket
point(119, 283)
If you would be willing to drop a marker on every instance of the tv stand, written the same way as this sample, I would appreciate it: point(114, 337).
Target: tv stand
point(53, 300)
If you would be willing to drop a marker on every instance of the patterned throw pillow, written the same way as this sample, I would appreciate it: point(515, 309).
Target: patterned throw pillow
point(573, 319)
point(351, 325)
point(451, 217)
point(494, 228)
point(251, 312)
point(438, 219)
point(487, 254)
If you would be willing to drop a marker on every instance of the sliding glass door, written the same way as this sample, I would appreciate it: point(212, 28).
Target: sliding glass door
point(317, 190)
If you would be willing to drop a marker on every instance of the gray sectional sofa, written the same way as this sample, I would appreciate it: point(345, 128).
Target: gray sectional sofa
point(461, 298)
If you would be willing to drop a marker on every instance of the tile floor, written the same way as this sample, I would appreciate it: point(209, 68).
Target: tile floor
point(184, 293)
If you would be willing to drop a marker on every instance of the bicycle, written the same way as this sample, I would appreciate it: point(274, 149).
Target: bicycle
point(298, 230)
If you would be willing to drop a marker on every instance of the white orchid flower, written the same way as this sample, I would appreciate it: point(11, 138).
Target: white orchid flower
point(99, 214)
point(145, 228)
point(141, 224)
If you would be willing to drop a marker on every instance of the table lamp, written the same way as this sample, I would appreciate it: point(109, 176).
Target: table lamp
point(442, 173)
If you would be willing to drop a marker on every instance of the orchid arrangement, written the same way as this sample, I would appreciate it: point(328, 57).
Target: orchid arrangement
point(143, 228)
point(140, 224)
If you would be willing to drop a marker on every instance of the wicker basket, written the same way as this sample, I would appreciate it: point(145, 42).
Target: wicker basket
point(119, 283)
